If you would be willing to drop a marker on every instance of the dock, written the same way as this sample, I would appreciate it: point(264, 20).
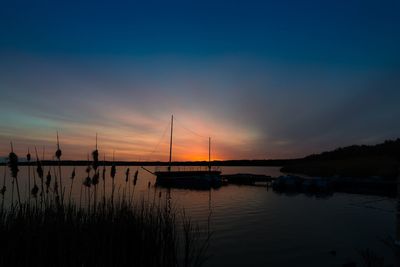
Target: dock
point(246, 178)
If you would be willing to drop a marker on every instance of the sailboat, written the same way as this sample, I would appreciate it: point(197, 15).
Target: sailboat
point(189, 178)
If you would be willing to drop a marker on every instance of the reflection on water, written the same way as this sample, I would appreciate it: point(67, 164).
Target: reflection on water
point(253, 226)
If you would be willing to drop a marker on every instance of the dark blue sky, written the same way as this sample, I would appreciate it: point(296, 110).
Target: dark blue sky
point(266, 79)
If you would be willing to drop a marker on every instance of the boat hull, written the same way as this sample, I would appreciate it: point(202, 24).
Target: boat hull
point(189, 179)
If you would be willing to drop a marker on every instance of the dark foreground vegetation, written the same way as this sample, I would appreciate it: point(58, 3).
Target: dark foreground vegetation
point(381, 160)
point(46, 227)
point(144, 235)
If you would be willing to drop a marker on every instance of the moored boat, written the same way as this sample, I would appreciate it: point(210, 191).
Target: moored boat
point(189, 178)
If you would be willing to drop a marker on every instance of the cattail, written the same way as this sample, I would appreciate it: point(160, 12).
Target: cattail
point(35, 190)
point(48, 181)
point(135, 177)
point(95, 179)
point(58, 156)
point(28, 156)
point(87, 182)
point(88, 169)
point(149, 184)
point(58, 151)
point(95, 155)
point(159, 194)
point(13, 165)
point(40, 172)
point(73, 174)
point(113, 171)
point(127, 175)
point(95, 182)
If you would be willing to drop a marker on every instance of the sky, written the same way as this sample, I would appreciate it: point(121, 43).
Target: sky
point(263, 79)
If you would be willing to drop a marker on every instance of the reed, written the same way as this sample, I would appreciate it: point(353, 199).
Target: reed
point(87, 183)
point(28, 159)
point(40, 172)
point(72, 184)
point(107, 233)
point(13, 166)
point(119, 236)
point(58, 156)
point(126, 184)
point(3, 188)
point(113, 172)
point(135, 178)
point(96, 175)
point(35, 189)
point(103, 175)
point(47, 183)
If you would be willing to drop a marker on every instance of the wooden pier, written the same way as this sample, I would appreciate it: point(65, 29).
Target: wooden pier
point(246, 178)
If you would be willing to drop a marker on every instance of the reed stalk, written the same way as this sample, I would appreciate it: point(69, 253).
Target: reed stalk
point(72, 183)
point(35, 189)
point(135, 178)
point(104, 181)
point(47, 183)
point(28, 159)
point(56, 190)
point(126, 184)
point(113, 172)
point(87, 182)
point(96, 175)
point(13, 166)
point(40, 172)
point(12, 192)
point(3, 189)
point(58, 156)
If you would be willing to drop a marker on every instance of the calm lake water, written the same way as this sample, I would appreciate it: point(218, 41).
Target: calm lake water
point(253, 226)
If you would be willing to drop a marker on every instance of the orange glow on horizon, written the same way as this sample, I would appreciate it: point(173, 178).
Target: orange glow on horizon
point(133, 138)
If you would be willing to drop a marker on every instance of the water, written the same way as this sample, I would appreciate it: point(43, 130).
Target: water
point(253, 226)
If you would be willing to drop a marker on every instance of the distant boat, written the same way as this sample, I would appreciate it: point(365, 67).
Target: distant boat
point(194, 178)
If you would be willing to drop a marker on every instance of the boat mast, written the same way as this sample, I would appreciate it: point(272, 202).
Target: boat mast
point(209, 153)
point(170, 143)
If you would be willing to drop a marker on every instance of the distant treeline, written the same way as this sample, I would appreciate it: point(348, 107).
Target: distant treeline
point(390, 148)
point(275, 162)
point(356, 161)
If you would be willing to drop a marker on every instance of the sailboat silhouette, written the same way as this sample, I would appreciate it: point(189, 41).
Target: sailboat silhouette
point(188, 178)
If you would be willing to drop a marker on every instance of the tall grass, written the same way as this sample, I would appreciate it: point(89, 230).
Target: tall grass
point(125, 232)
point(119, 236)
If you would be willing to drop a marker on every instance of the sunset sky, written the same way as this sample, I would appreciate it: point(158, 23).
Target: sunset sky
point(265, 80)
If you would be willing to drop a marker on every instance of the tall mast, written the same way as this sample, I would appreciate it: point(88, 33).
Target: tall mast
point(209, 153)
point(170, 143)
